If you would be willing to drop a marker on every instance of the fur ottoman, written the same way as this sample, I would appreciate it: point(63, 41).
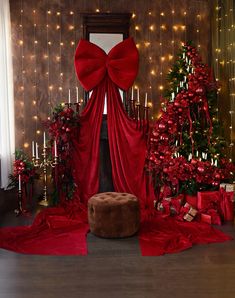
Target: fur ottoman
point(113, 215)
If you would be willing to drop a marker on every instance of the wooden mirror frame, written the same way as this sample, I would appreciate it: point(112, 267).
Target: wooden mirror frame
point(106, 23)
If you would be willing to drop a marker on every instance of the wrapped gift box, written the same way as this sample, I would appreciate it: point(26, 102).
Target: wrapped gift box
point(226, 204)
point(208, 200)
point(191, 200)
point(187, 212)
point(228, 187)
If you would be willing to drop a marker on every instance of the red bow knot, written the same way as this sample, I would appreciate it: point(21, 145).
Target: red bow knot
point(92, 64)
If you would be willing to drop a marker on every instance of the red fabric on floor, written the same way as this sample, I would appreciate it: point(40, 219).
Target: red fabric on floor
point(53, 232)
point(162, 235)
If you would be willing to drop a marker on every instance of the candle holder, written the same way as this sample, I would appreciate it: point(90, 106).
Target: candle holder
point(68, 104)
point(138, 118)
point(146, 119)
point(77, 105)
point(19, 210)
point(44, 165)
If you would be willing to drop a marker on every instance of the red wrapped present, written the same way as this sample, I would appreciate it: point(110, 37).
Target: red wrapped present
point(206, 218)
point(188, 212)
point(192, 200)
point(229, 187)
point(208, 200)
point(226, 204)
point(215, 217)
point(171, 205)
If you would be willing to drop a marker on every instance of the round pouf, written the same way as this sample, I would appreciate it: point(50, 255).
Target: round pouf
point(113, 214)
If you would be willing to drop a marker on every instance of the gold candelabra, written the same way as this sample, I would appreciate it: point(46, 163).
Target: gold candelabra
point(44, 164)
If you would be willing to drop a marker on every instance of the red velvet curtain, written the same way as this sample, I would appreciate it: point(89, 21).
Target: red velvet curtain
point(105, 74)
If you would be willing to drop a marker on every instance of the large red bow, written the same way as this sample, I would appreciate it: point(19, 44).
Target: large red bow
point(93, 64)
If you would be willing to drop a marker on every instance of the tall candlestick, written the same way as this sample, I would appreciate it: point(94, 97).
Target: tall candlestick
point(44, 140)
point(19, 182)
point(146, 100)
point(138, 94)
point(36, 150)
point(69, 97)
point(55, 145)
point(132, 93)
point(77, 93)
point(33, 152)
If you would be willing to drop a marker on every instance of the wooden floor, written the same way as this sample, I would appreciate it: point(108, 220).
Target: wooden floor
point(115, 268)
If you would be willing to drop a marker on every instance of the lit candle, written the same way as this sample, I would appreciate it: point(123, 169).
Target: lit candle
point(146, 100)
point(33, 153)
point(69, 97)
point(77, 93)
point(138, 94)
point(132, 93)
point(55, 145)
point(37, 150)
point(19, 182)
point(44, 140)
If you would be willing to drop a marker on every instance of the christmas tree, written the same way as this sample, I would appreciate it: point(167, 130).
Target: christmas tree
point(185, 152)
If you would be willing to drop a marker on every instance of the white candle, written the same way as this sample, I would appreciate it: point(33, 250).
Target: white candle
point(216, 163)
point(197, 153)
point(186, 85)
point(186, 59)
point(138, 94)
point(185, 79)
point(183, 55)
point(172, 95)
point(44, 139)
point(132, 93)
point(36, 150)
point(205, 155)
point(77, 94)
point(19, 182)
point(33, 153)
point(146, 100)
point(55, 145)
point(176, 143)
point(177, 89)
point(212, 161)
point(69, 97)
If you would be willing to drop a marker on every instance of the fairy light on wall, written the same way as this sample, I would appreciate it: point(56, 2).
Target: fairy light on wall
point(162, 14)
point(60, 53)
point(157, 38)
point(22, 84)
point(224, 60)
point(34, 57)
point(47, 57)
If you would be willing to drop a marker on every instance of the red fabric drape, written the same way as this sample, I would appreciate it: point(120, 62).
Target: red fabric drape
point(63, 230)
point(104, 74)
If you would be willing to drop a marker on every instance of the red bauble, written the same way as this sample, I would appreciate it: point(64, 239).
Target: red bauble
point(200, 169)
point(199, 90)
point(193, 161)
point(170, 122)
point(162, 126)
